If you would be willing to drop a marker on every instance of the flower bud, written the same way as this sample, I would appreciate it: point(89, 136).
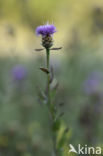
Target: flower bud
point(46, 31)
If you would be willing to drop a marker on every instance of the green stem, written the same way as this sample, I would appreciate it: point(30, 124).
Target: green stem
point(48, 77)
point(49, 101)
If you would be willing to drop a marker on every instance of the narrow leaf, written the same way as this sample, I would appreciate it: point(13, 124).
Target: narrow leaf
point(40, 93)
point(38, 50)
point(55, 87)
point(51, 75)
point(45, 70)
point(56, 48)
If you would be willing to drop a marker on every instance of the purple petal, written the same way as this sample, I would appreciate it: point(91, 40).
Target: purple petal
point(45, 30)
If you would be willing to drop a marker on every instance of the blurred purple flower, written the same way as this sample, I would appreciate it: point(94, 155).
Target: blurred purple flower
point(45, 30)
point(19, 73)
point(93, 82)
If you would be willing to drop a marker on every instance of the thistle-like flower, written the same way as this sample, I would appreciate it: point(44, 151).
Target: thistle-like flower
point(92, 84)
point(46, 31)
point(19, 73)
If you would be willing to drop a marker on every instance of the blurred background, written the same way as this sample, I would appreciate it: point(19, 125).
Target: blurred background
point(78, 67)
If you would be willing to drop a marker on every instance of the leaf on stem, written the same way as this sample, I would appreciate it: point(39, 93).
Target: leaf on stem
point(45, 70)
point(56, 125)
point(56, 48)
point(51, 74)
point(64, 138)
point(55, 87)
point(39, 50)
point(41, 94)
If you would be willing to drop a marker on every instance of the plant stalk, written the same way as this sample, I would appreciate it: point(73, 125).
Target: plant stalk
point(48, 76)
point(49, 101)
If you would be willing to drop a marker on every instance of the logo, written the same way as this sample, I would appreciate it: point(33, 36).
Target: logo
point(85, 149)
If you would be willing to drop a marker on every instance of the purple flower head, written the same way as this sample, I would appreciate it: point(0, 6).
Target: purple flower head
point(93, 83)
point(19, 73)
point(45, 30)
